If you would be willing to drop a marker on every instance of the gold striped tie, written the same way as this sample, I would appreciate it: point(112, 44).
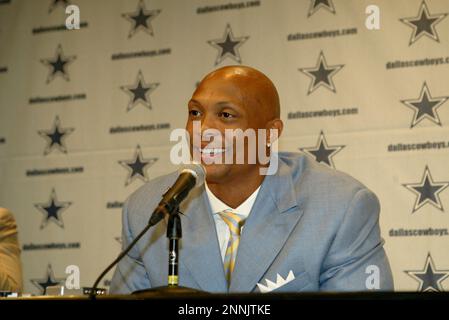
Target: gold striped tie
point(234, 222)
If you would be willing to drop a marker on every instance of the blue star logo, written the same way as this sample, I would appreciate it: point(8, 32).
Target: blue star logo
point(55, 137)
point(427, 191)
point(425, 107)
point(430, 279)
point(137, 167)
point(47, 281)
point(141, 19)
point(322, 152)
point(139, 92)
point(321, 75)
point(52, 210)
point(58, 65)
point(56, 3)
point(315, 5)
point(424, 24)
point(228, 46)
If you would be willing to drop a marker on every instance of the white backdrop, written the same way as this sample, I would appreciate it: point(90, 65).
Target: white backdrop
point(79, 107)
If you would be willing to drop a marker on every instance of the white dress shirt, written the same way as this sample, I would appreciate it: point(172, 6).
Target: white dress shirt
point(218, 206)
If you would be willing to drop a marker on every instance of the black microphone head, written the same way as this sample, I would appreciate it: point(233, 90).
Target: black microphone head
point(197, 170)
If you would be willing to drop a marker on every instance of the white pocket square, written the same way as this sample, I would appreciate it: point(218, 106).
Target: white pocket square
point(275, 285)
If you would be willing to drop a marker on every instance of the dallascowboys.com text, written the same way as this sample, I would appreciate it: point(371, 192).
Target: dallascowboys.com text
point(418, 232)
point(418, 146)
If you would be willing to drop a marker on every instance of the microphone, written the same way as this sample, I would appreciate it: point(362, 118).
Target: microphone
point(190, 176)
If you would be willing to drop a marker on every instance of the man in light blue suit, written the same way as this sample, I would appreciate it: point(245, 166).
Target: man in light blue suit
point(305, 228)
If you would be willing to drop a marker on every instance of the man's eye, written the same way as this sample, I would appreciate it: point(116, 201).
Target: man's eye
point(226, 115)
point(194, 113)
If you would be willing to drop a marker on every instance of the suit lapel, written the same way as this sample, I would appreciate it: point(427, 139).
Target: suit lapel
point(273, 217)
point(200, 251)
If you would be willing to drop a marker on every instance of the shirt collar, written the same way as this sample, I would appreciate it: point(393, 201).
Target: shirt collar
point(218, 206)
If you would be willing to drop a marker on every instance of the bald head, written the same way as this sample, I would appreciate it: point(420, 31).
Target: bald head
point(254, 88)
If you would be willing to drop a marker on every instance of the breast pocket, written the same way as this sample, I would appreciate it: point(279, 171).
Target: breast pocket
point(301, 282)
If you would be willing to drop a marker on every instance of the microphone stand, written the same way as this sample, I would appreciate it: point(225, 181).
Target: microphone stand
point(169, 205)
point(174, 234)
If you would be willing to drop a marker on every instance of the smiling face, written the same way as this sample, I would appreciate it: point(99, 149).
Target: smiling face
point(230, 98)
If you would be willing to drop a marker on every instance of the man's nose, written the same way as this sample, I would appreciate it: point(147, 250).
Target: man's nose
point(210, 128)
point(208, 122)
point(204, 128)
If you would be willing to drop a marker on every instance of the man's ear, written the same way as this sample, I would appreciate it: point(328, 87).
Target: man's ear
point(275, 124)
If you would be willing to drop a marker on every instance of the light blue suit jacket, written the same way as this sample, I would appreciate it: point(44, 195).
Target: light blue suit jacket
point(319, 223)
